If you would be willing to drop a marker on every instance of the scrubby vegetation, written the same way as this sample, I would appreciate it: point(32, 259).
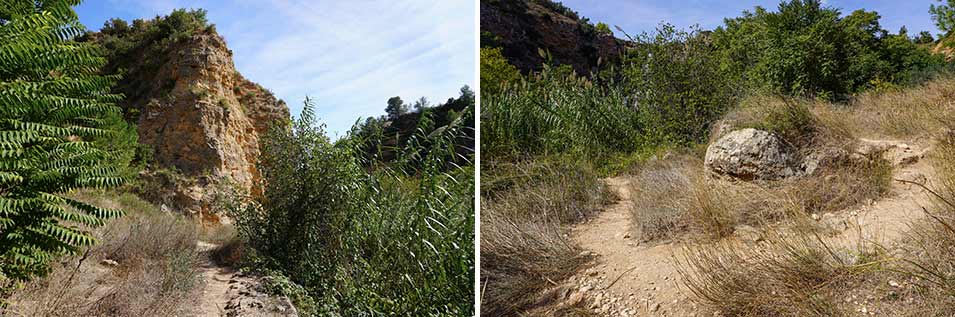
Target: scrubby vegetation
point(340, 228)
point(138, 49)
point(524, 206)
point(154, 269)
point(384, 137)
point(360, 237)
point(806, 48)
point(814, 77)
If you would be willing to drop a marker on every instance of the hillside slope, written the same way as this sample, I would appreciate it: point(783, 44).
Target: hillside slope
point(524, 28)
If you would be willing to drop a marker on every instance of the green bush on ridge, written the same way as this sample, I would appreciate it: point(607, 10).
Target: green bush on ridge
point(807, 49)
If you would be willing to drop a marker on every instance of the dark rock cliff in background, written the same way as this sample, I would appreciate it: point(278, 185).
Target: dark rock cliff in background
point(524, 27)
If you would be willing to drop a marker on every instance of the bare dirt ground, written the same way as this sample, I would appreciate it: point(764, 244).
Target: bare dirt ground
point(230, 293)
point(628, 278)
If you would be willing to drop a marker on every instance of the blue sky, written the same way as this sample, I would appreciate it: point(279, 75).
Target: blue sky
point(350, 56)
point(637, 16)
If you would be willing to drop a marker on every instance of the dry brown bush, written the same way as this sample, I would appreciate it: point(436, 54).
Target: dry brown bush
point(524, 242)
point(846, 184)
point(797, 273)
point(909, 113)
point(674, 197)
point(156, 272)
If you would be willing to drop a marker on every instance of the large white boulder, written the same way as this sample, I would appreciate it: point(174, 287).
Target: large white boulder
point(751, 154)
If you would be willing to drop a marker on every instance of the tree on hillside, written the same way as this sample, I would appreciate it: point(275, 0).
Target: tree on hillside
point(466, 93)
point(396, 108)
point(944, 16)
point(808, 49)
point(924, 37)
point(604, 28)
point(421, 103)
point(55, 105)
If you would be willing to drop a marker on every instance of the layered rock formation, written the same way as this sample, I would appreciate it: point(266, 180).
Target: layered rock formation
point(525, 27)
point(210, 121)
point(199, 116)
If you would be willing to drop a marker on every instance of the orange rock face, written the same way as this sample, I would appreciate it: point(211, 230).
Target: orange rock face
point(209, 120)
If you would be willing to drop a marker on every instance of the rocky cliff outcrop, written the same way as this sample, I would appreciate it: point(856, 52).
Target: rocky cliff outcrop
point(197, 114)
point(210, 121)
point(525, 27)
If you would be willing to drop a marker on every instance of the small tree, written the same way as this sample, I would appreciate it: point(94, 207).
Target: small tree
point(421, 103)
point(924, 37)
point(604, 28)
point(54, 105)
point(944, 16)
point(466, 93)
point(396, 108)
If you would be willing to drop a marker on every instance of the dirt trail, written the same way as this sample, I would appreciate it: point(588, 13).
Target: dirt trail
point(215, 292)
point(632, 279)
point(628, 278)
point(230, 293)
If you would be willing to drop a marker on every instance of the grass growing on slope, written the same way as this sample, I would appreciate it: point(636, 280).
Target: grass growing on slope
point(156, 271)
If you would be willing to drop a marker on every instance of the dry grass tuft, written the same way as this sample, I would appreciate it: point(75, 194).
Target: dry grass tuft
point(156, 270)
point(661, 198)
point(846, 184)
point(802, 123)
point(524, 246)
point(673, 198)
point(793, 274)
point(905, 113)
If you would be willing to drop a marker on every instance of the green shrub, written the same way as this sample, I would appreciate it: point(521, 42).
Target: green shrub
point(806, 48)
point(389, 240)
point(604, 28)
point(668, 91)
point(677, 86)
point(496, 72)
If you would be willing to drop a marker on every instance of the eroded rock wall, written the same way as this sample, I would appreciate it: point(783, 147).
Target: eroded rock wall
point(205, 120)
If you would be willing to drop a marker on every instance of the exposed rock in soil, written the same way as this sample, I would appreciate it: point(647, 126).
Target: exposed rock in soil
point(897, 153)
point(751, 154)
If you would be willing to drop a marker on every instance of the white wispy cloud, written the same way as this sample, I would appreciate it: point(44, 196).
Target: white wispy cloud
point(351, 56)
